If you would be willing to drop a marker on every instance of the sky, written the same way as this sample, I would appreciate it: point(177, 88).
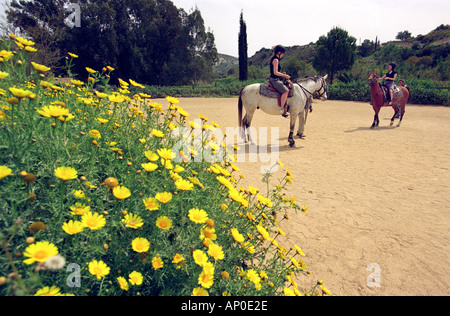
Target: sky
point(300, 22)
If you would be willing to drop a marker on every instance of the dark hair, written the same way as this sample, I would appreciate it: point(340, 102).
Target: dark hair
point(279, 49)
point(393, 66)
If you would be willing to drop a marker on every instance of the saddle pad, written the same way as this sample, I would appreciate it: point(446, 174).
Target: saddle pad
point(263, 90)
point(398, 93)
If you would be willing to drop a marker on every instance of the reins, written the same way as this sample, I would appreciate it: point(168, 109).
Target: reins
point(311, 94)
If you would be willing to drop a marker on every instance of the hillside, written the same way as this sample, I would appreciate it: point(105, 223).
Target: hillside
point(423, 56)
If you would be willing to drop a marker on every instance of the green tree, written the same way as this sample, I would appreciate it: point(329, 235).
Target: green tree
point(150, 41)
point(366, 49)
point(403, 36)
point(335, 52)
point(243, 50)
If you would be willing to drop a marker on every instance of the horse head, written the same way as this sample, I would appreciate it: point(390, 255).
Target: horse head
point(373, 78)
point(323, 89)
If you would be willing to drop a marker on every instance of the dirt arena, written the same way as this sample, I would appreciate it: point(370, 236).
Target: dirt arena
point(375, 197)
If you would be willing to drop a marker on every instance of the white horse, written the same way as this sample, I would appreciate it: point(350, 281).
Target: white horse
point(251, 99)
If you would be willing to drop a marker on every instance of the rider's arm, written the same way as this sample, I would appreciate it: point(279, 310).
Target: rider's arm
point(276, 72)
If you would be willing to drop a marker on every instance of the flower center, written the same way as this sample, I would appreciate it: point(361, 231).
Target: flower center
point(97, 270)
point(40, 254)
point(92, 222)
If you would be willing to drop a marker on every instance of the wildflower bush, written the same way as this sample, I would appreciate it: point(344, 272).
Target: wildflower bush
point(94, 201)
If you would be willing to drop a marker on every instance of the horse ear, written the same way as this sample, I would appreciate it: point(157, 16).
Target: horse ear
point(325, 77)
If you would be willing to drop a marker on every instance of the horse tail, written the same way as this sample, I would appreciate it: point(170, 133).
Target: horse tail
point(240, 106)
point(409, 94)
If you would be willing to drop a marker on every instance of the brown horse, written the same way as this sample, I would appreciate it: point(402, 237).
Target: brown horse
point(379, 100)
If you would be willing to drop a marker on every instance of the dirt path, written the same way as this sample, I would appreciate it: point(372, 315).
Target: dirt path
point(377, 197)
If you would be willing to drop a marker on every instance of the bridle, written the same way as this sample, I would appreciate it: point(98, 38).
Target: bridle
point(323, 87)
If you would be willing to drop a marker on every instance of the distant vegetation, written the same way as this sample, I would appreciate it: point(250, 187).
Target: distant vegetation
point(169, 51)
point(422, 61)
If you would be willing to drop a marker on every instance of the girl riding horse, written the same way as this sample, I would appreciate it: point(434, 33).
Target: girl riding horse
point(276, 77)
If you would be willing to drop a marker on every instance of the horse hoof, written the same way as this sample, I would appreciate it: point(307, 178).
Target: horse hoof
point(291, 143)
point(392, 123)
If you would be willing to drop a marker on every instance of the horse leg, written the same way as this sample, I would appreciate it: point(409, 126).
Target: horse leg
point(403, 107)
point(396, 107)
point(301, 123)
point(375, 119)
point(246, 125)
point(291, 134)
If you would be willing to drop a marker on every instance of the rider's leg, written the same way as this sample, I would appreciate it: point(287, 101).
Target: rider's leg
point(284, 98)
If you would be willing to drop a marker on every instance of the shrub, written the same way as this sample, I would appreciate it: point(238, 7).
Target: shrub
point(94, 201)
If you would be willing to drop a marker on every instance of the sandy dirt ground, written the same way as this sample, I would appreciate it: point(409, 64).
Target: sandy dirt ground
point(377, 199)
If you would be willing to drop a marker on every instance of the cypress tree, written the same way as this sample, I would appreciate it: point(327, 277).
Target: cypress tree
point(243, 50)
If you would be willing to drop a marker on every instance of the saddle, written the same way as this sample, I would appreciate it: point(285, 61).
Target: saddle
point(270, 92)
point(398, 93)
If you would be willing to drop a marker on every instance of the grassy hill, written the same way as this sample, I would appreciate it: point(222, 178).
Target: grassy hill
point(420, 57)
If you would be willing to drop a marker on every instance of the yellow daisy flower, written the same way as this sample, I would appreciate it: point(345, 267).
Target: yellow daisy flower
point(123, 284)
point(151, 156)
point(73, 228)
point(200, 257)
point(140, 245)
point(184, 185)
point(4, 172)
point(133, 221)
point(49, 291)
point(40, 68)
point(157, 133)
point(149, 167)
point(164, 223)
point(135, 278)
point(164, 197)
point(238, 237)
point(95, 134)
point(151, 204)
point(157, 263)
point(98, 269)
point(198, 216)
point(20, 93)
point(206, 279)
point(24, 41)
point(53, 111)
point(66, 173)
point(135, 84)
point(199, 291)
point(121, 192)
point(90, 70)
point(77, 82)
point(93, 221)
point(216, 252)
point(40, 252)
point(166, 153)
point(172, 100)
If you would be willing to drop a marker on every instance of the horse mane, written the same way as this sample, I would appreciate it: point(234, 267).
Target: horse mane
point(305, 80)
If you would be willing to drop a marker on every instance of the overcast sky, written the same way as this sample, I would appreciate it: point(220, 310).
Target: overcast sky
point(299, 22)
